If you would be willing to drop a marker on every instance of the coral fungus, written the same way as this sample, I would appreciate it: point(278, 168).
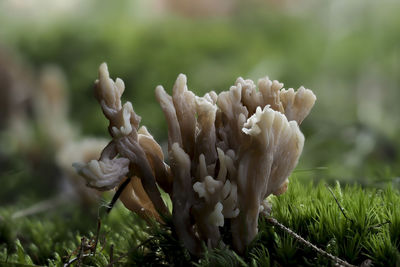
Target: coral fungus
point(227, 153)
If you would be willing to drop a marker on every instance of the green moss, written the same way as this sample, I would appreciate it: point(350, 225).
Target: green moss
point(370, 231)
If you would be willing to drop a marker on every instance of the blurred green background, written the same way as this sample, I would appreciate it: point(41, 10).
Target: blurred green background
point(348, 53)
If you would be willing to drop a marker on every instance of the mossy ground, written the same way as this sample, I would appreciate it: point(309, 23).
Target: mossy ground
point(370, 231)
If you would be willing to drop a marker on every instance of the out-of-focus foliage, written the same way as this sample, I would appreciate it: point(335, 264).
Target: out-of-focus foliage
point(346, 52)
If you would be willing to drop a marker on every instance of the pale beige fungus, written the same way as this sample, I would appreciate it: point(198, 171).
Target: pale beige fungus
point(227, 153)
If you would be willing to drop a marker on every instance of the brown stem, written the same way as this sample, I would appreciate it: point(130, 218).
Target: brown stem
point(118, 193)
point(128, 147)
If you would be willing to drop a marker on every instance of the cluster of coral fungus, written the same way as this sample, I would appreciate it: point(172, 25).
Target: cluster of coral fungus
point(227, 153)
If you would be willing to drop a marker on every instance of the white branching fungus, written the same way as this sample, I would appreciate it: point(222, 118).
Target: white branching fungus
point(126, 127)
point(105, 174)
point(227, 153)
point(216, 218)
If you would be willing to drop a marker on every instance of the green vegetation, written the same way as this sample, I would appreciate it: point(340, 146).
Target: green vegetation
point(370, 231)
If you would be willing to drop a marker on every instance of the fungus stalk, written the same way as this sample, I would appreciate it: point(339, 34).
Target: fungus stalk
point(227, 152)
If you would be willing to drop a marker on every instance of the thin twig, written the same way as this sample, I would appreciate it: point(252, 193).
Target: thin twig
point(117, 194)
point(337, 202)
point(75, 259)
point(379, 225)
point(335, 259)
point(111, 254)
point(97, 236)
point(83, 247)
point(81, 251)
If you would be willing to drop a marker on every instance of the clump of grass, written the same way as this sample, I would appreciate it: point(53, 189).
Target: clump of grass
point(352, 234)
point(368, 228)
